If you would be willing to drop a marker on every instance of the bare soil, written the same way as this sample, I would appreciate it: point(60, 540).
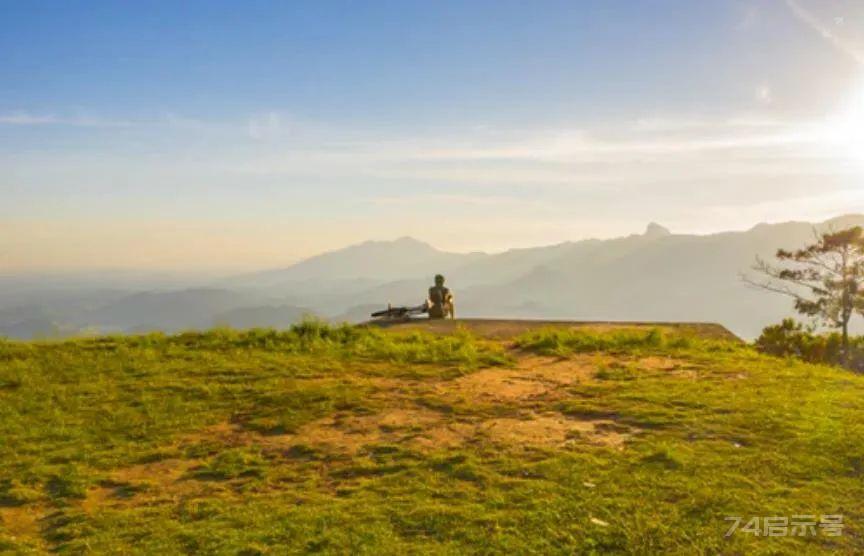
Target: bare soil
point(512, 414)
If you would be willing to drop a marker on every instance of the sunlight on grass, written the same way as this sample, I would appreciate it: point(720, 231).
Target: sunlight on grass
point(200, 442)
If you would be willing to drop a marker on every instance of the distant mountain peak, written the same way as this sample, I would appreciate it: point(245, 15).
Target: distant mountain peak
point(655, 230)
point(408, 240)
point(404, 241)
point(381, 260)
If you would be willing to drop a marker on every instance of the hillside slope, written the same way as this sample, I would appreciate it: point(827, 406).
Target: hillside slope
point(634, 440)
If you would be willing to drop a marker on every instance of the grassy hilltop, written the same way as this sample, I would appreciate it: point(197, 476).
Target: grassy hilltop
point(339, 440)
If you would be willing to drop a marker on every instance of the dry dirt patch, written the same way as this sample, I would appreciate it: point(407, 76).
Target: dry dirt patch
point(153, 481)
point(347, 434)
point(657, 363)
point(560, 371)
point(555, 430)
point(669, 366)
point(533, 377)
point(22, 521)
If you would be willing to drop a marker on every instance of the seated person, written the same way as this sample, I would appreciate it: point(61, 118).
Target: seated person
point(440, 301)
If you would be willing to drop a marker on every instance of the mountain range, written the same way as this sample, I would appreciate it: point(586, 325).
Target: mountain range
point(654, 276)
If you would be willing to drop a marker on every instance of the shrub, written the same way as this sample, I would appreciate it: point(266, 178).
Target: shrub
point(792, 339)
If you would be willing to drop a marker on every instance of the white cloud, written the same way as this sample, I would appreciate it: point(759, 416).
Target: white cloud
point(23, 118)
point(29, 119)
point(648, 150)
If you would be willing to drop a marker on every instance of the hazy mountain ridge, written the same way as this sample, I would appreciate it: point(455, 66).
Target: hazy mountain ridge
point(657, 275)
point(367, 261)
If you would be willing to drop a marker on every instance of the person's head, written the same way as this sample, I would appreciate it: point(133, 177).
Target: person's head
point(439, 280)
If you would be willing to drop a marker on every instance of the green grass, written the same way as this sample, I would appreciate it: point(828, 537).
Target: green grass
point(563, 342)
point(114, 444)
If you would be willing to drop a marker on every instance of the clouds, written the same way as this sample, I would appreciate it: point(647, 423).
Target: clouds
point(645, 150)
point(498, 187)
point(22, 118)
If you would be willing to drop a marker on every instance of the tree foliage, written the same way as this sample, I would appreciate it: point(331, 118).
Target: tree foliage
point(824, 278)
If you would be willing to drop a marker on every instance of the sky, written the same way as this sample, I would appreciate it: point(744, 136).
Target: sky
point(226, 136)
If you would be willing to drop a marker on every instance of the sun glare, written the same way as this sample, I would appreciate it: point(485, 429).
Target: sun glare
point(846, 130)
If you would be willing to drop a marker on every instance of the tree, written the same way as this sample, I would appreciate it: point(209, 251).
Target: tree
point(825, 279)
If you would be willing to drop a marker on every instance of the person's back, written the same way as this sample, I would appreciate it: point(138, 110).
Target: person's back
point(440, 300)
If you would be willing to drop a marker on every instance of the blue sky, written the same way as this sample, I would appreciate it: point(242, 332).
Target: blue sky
point(193, 135)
